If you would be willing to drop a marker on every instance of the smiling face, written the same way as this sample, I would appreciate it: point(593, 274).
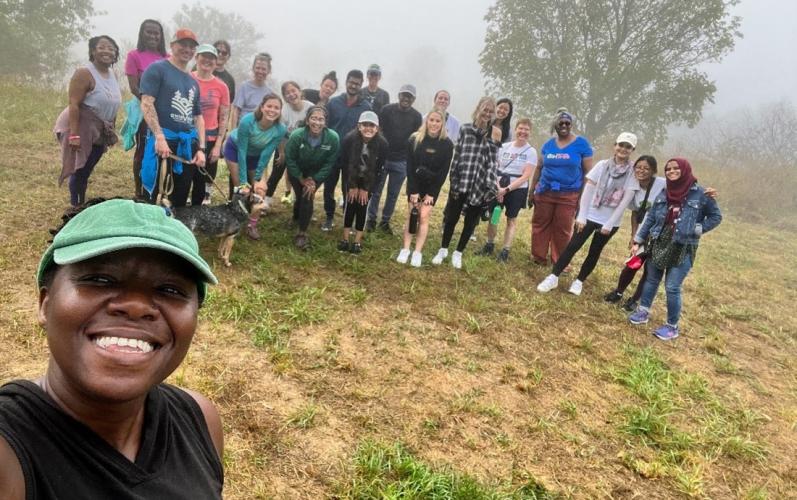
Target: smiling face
point(405, 100)
point(672, 171)
point(622, 151)
point(328, 87)
point(118, 324)
point(353, 86)
point(260, 70)
point(563, 127)
point(206, 63)
point(152, 36)
point(316, 122)
point(434, 124)
point(367, 130)
point(292, 94)
point(104, 53)
point(442, 100)
point(486, 113)
point(224, 56)
point(502, 110)
point(522, 132)
point(271, 108)
point(643, 171)
point(183, 51)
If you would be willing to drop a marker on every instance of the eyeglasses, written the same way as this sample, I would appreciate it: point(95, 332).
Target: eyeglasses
point(564, 124)
point(222, 52)
point(626, 145)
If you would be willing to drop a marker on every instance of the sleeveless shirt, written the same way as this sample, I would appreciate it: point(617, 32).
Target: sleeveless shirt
point(63, 458)
point(106, 97)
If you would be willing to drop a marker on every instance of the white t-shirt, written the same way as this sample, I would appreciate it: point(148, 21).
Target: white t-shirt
point(659, 183)
point(512, 160)
point(291, 118)
point(601, 215)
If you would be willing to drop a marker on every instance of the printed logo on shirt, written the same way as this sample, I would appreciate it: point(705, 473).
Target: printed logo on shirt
point(431, 151)
point(558, 156)
point(510, 157)
point(326, 147)
point(183, 107)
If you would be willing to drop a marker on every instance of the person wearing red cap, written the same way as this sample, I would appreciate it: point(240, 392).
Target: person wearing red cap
point(170, 105)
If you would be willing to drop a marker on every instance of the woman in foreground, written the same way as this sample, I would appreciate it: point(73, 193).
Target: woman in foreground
point(119, 292)
point(673, 226)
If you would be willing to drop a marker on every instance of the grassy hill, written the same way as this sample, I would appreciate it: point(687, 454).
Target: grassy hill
point(356, 377)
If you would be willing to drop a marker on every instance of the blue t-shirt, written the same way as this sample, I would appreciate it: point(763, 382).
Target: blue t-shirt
point(561, 167)
point(176, 95)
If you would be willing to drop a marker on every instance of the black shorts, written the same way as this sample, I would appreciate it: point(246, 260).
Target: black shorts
point(514, 201)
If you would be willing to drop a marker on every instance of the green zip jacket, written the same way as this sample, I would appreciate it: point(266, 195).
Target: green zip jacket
point(305, 160)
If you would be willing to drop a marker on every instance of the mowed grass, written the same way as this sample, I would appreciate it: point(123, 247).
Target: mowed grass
point(356, 377)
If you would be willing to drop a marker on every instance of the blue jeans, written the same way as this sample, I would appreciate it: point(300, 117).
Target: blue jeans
point(672, 285)
point(397, 171)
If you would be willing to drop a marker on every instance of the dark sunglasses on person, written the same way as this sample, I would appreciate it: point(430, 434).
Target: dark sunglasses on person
point(564, 124)
point(222, 52)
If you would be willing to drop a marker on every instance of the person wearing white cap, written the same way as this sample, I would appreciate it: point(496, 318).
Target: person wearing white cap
point(609, 189)
point(399, 121)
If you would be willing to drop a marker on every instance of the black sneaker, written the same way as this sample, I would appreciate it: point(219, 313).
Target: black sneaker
point(486, 250)
point(630, 305)
point(328, 225)
point(370, 225)
point(503, 255)
point(384, 226)
point(356, 248)
point(343, 246)
point(613, 297)
point(301, 241)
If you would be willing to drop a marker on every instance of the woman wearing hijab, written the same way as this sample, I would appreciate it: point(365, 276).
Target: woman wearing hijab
point(680, 215)
point(610, 186)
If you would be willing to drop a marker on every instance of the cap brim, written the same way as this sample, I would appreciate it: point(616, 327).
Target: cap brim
point(90, 249)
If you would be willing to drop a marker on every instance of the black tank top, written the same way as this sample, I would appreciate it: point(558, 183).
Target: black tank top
point(62, 458)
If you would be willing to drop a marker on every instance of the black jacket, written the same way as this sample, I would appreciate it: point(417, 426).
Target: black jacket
point(361, 167)
point(434, 155)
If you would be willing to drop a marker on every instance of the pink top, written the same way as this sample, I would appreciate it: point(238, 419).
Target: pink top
point(137, 61)
point(213, 93)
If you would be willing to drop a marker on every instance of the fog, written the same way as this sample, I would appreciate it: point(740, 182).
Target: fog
point(435, 44)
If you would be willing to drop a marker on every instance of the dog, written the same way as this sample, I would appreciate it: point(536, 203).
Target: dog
point(221, 221)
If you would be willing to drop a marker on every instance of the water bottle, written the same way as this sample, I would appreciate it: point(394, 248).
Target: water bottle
point(414, 215)
point(496, 218)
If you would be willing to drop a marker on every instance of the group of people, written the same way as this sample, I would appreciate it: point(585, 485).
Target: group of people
point(182, 121)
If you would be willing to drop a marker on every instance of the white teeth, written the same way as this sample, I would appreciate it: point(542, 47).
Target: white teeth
point(141, 345)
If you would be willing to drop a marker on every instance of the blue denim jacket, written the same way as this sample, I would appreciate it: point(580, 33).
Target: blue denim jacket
point(699, 214)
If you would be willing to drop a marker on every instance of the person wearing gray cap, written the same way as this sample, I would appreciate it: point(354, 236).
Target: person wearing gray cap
point(373, 93)
point(399, 121)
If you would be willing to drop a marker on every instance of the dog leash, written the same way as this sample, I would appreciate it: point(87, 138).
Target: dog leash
point(165, 183)
point(203, 171)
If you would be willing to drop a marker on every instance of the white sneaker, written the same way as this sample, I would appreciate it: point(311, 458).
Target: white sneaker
point(440, 257)
point(417, 259)
point(267, 201)
point(575, 287)
point(548, 284)
point(403, 256)
point(456, 260)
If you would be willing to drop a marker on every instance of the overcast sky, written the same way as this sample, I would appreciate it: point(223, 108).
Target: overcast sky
point(436, 43)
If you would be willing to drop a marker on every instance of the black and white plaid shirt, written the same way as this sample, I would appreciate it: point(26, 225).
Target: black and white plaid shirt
point(474, 168)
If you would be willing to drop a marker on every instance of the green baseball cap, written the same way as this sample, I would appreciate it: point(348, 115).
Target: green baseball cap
point(115, 225)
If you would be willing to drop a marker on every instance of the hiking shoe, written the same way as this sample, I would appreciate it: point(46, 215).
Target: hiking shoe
point(630, 305)
point(473, 237)
point(384, 226)
point(206, 200)
point(487, 249)
point(440, 257)
point(301, 241)
point(613, 297)
point(252, 233)
point(575, 287)
point(328, 225)
point(549, 283)
point(503, 256)
point(370, 225)
point(666, 332)
point(403, 256)
point(343, 246)
point(456, 260)
point(639, 317)
point(287, 199)
point(417, 259)
point(356, 248)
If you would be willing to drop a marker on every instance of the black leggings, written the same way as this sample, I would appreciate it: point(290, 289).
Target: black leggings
point(302, 207)
point(627, 276)
point(577, 241)
point(277, 171)
point(454, 208)
point(355, 213)
point(200, 180)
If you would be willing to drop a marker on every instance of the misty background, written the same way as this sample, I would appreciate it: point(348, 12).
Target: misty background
point(436, 44)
